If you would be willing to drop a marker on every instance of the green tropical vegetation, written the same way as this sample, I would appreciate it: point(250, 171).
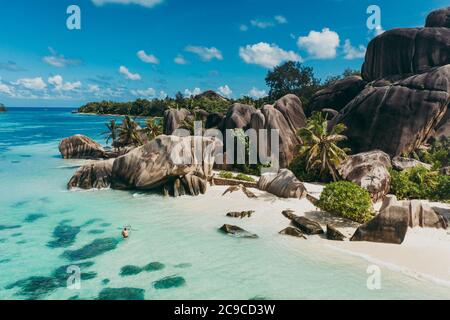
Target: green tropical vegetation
point(320, 150)
point(420, 183)
point(348, 200)
point(153, 127)
point(239, 176)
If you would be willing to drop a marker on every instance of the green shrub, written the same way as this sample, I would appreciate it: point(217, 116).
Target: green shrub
point(298, 168)
point(420, 183)
point(244, 177)
point(347, 200)
point(225, 175)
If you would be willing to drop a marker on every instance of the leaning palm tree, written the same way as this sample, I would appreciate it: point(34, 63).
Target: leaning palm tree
point(112, 133)
point(154, 128)
point(129, 132)
point(320, 146)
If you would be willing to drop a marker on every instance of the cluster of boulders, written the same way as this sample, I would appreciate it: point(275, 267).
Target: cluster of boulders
point(394, 219)
point(402, 98)
point(167, 163)
point(285, 115)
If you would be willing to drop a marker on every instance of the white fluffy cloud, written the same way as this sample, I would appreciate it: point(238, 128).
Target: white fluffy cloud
point(320, 45)
point(146, 93)
point(257, 94)
point(206, 54)
point(32, 83)
point(195, 92)
point(5, 89)
point(147, 58)
point(59, 84)
point(93, 88)
point(144, 3)
point(225, 91)
point(58, 60)
point(261, 24)
point(267, 55)
point(128, 75)
point(179, 59)
point(352, 52)
point(281, 19)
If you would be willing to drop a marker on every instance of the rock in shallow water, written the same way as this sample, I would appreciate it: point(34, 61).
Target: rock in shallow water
point(121, 294)
point(34, 217)
point(237, 232)
point(307, 226)
point(64, 235)
point(95, 175)
point(95, 248)
point(81, 147)
point(130, 271)
point(154, 266)
point(169, 282)
point(293, 232)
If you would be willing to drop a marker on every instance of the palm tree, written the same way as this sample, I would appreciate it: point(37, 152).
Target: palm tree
point(112, 132)
point(154, 128)
point(320, 148)
point(129, 132)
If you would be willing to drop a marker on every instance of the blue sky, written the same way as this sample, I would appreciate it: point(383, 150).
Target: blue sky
point(150, 48)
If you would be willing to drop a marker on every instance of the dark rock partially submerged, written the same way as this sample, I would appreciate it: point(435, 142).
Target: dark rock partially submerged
point(293, 232)
point(237, 232)
point(96, 175)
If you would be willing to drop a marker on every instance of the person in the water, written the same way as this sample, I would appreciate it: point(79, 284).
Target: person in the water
point(125, 233)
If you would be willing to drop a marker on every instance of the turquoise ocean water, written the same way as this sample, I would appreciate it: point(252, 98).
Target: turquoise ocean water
point(175, 251)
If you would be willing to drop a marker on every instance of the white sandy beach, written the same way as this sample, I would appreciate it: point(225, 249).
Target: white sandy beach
point(425, 253)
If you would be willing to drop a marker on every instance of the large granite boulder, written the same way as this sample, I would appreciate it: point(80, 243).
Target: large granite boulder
point(283, 184)
point(173, 119)
point(286, 116)
point(337, 95)
point(370, 171)
point(214, 120)
point(401, 163)
point(164, 160)
point(95, 175)
point(443, 127)
point(397, 114)
point(439, 18)
point(394, 219)
point(239, 116)
point(406, 51)
point(81, 147)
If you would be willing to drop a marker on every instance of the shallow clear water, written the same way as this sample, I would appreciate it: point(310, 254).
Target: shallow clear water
point(180, 234)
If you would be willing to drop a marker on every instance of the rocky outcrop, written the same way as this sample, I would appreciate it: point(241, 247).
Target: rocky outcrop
point(173, 119)
point(334, 234)
point(241, 215)
point(337, 95)
point(370, 171)
point(2, 108)
point(96, 175)
point(214, 120)
point(239, 116)
point(397, 114)
point(400, 164)
point(237, 232)
point(406, 51)
point(394, 219)
point(168, 163)
point(163, 161)
point(286, 116)
point(81, 147)
point(283, 184)
point(443, 127)
point(439, 18)
point(306, 225)
point(293, 232)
